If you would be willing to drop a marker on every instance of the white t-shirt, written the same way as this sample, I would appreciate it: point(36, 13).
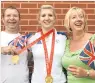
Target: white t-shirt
point(39, 72)
point(10, 72)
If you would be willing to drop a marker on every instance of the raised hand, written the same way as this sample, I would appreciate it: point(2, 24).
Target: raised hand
point(10, 50)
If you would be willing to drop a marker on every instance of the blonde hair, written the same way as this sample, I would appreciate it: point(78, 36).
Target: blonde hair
point(67, 18)
point(47, 7)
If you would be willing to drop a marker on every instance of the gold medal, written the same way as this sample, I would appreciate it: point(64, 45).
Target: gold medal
point(49, 79)
point(15, 59)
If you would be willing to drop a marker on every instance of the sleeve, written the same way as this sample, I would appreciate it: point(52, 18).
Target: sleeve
point(63, 37)
point(30, 40)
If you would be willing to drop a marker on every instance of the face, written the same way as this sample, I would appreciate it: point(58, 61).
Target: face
point(47, 18)
point(11, 19)
point(77, 20)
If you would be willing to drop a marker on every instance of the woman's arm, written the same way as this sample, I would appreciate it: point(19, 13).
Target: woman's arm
point(81, 72)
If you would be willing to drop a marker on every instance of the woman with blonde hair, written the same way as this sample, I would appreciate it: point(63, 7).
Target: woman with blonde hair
point(47, 52)
point(73, 60)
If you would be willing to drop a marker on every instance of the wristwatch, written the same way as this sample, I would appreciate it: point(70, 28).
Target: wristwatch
point(87, 73)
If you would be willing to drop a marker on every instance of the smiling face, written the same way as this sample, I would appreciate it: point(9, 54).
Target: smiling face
point(11, 20)
point(47, 18)
point(77, 20)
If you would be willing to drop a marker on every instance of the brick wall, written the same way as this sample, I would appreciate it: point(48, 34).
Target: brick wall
point(29, 11)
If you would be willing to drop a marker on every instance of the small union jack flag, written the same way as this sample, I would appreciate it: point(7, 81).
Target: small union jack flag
point(88, 55)
point(20, 42)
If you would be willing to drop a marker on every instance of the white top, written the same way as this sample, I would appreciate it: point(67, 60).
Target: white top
point(39, 72)
point(13, 73)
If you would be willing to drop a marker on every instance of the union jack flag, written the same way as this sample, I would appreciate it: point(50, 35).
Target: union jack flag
point(88, 55)
point(20, 42)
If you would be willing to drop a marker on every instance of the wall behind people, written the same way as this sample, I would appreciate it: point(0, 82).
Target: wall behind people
point(29, 11)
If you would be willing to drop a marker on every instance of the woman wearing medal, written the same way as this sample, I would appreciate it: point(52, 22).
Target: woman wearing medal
point(48, 51)
point(14, 68)
point(79, 46)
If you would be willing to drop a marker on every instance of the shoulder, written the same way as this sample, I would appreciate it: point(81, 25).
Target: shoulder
point(2, 32)
point(88, 35)
point(33, 37)
point(28, 35)
point(36, 35)
point(62, 34)
point(91, 37)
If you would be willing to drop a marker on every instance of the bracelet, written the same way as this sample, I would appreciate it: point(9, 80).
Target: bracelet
point(87, 73)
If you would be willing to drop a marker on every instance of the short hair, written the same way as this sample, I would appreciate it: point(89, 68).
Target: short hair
point(47, 7)
point(10, 7)
point(67, 18)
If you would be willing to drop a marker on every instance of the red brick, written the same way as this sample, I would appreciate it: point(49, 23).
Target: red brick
point(23, 11)
point(89, 11)
point(64, 11)
point(28, 5)
point(91, 16)
point(6, 1)
point(61, 5)
point(91, 28)
point(33, 22)
point(33, 11)
point(86, 2)
point(24, 22)
point(58, 22)
point(91, 22)
point(58, 11)
point(70, 2)
point(91, 5)
point(37, 2)
point(79, 5)
point(53, 2)
point(60, 28)
point(28, 16)
point(17, 5)
point(60, 16)
point(14, 1)
point(28, 28)
point(1, 5)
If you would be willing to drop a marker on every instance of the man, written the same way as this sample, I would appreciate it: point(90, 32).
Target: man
point(14, 68)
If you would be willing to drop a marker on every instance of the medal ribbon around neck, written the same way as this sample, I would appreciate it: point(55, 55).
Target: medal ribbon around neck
point(35, 41)
point(49, 62)
point(16, 57)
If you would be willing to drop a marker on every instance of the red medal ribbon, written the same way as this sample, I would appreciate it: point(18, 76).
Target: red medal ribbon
point(49, 62)
point(35, 41)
